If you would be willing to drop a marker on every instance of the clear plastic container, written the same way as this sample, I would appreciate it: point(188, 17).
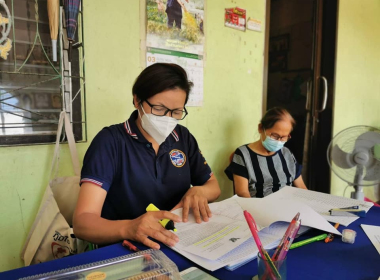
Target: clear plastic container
point(144, 265)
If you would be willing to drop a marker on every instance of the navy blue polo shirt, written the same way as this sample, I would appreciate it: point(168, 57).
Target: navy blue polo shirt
point(121, 161)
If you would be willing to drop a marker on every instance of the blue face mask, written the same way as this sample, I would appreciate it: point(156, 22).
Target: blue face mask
point(272, 145)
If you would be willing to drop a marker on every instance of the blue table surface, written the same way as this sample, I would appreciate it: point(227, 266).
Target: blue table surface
point(335, 260)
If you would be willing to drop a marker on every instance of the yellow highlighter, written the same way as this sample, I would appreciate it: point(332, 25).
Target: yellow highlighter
point(166, 223)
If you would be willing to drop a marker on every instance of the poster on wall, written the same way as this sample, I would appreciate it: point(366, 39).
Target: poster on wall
point(235, 18)
point(175, 35)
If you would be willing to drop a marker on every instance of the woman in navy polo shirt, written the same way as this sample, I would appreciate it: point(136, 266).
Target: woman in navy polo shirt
point(265, 166)
point(150, 158)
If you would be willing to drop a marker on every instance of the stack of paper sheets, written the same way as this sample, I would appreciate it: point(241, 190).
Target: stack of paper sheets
point(226, 241)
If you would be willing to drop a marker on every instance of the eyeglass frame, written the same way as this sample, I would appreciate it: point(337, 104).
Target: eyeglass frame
point(277, 137)
point(167, 110)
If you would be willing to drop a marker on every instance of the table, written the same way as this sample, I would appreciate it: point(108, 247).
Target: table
point(335, 260)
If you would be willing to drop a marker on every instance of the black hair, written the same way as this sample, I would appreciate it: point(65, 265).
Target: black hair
point(160, 77)
point(274, 115)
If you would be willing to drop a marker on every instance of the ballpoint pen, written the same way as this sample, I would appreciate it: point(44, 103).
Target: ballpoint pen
point(291, 228)
point(130, 246)
point(307, 241)
point(269, 264)
point(330, 236)
point(133, 248)
point(351, 207)
point(287, 240)
point(347, 212)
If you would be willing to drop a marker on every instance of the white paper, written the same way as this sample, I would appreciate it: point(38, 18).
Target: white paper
point(247, 250)
point(266, 211)
point(254, 24)
point(215, 238)
point(279, 229)
point(321, 202)
point(373, 233)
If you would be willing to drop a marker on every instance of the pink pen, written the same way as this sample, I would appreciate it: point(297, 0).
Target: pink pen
point(284, 238)
point(252, 226)
point(289, 240)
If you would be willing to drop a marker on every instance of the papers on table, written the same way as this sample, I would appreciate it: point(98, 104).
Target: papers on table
point(226, 239)
point(267, 211)
point(321, 203)
point(373, 233)
point(243, 253)
point(225, 231)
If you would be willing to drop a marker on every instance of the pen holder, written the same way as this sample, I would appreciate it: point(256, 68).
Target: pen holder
point(264, 274)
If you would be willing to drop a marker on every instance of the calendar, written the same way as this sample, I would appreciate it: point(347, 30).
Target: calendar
point(178, 40)
point(193, 64)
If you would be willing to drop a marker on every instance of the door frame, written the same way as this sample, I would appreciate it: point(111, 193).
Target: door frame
point(266, 56)
point(317, 53)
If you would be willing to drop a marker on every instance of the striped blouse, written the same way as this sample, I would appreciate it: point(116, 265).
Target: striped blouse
point(265, 174)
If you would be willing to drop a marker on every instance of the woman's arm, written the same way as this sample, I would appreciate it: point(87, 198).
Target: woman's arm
point(299, 183)
point(197, 199)
point(241, 186)
point(90, 226)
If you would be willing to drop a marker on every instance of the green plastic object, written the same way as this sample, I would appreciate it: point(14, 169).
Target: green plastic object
point(376, 151)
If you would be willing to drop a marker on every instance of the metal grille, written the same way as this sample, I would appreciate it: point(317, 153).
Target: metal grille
point(33, 88)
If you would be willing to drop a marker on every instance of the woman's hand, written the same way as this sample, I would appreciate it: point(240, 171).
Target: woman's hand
point(147, 225)
point(197, 201)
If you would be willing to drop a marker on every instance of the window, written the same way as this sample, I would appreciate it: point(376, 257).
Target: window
point(33, 88)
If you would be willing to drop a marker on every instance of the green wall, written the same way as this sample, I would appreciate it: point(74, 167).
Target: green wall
point(232, 104)
point(357, 88)
point(232, 101)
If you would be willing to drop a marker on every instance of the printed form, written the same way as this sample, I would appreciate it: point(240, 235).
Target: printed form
point(226, 230)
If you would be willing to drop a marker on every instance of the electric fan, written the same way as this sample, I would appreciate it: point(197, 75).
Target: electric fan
point(354, 156)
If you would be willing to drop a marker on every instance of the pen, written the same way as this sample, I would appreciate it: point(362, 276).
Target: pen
point(289, 240)
point(271, 264)
point(252, 226)
point(133, 248)
point(330, 236)
point(347, 212)
point(351, 207)
point(166, 223)
point(130, 246)
point(280, 246)
point(307, 241)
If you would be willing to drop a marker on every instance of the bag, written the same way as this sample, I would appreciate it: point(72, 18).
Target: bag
point(51, 236)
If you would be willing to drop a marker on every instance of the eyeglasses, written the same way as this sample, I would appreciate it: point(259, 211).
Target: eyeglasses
point(277, 137)
point(159, 110)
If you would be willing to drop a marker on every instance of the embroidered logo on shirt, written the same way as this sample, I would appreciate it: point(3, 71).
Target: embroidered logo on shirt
point(177, 157)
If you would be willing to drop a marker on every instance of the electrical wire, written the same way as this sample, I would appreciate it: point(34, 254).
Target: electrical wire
point(344, 192)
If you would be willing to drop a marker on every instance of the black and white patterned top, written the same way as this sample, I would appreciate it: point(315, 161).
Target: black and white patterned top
point(265, 174)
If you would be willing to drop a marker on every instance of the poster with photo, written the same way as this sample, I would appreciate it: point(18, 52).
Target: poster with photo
point(175, 35)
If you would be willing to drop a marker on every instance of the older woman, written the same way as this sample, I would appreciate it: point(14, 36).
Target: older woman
point(265, 166)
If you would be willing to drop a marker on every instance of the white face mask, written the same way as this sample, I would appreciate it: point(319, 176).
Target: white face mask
point(159, 127)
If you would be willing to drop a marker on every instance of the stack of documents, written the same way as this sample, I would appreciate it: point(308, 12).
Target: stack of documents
point(226, 241)
point(321, 203)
